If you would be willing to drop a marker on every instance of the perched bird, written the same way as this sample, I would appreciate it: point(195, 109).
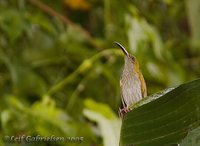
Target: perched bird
point(132, 83)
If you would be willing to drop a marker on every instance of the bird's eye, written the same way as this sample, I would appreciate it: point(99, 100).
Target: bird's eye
point(132, 57)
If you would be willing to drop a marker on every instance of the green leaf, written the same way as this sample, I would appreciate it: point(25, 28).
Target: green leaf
point(47, 114)
point(12, 24)
point(192, 139)
point(108, 123)
point(99, 108)
point(192, 7)
point(165, 120)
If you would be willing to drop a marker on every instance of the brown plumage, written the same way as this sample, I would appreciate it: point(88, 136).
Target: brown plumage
point(132, 83)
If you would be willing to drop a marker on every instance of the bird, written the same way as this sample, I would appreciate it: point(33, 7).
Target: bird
point(132, 83)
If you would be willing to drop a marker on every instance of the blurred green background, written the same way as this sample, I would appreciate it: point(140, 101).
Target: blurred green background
point(60, 69)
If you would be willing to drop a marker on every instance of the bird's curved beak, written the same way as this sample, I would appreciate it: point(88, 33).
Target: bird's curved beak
point(123, 49)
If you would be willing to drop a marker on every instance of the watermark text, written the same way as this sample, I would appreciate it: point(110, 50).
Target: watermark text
point(39, 138)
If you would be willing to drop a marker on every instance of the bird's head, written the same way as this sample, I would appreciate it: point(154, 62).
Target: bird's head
point(130, 60)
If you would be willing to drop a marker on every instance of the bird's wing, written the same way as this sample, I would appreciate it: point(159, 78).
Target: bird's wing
point(143, 85)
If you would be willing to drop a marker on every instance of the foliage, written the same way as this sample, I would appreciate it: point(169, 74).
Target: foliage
point(55, 55)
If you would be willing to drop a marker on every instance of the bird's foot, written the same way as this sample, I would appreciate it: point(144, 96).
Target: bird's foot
point(123, 111)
